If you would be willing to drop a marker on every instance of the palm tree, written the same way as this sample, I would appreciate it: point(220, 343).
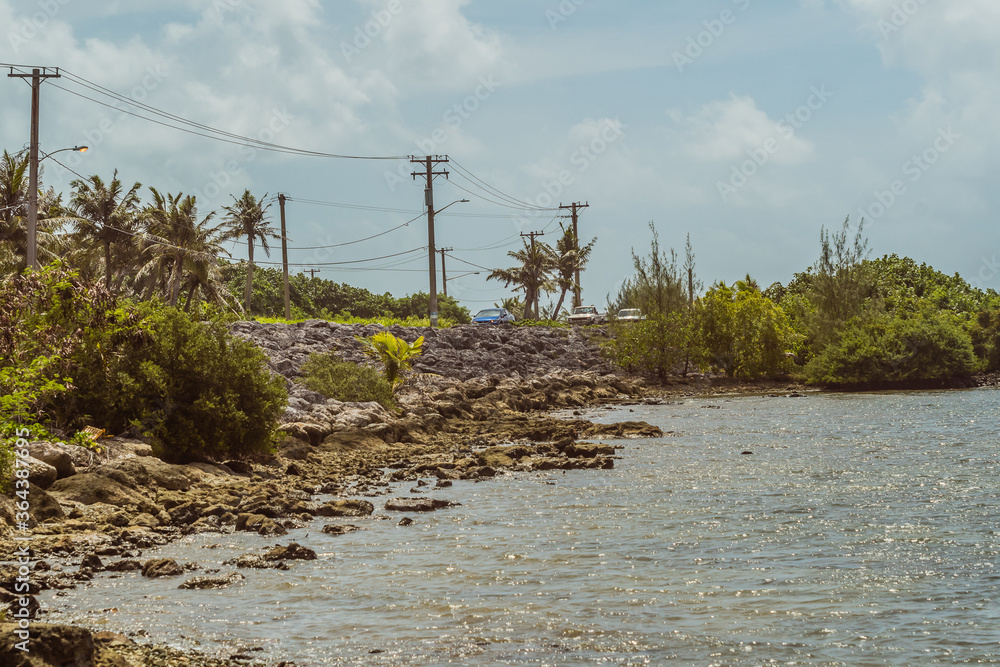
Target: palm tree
point(179, 241)
point(533, 276)
point(105, 214)
point(569, 260)
point(13, 207)
point(248, 218)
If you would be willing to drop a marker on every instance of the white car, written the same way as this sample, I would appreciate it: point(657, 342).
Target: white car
point(630, 315)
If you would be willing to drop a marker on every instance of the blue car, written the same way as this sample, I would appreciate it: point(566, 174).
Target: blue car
point(493, 316)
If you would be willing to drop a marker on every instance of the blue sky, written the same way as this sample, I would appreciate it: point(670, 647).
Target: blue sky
point(748, 125)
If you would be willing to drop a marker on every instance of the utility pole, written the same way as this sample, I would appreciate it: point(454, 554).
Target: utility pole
point(284, 257)
point(37, 76)
point(312, 273)
point(429, 173)
point(444, 274)
point(532, 235)
point(575, 212)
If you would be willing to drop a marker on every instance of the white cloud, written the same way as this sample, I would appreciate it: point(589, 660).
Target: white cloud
point(725, 130)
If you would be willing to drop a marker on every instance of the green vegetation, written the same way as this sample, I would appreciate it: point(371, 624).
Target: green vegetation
point(395, 354)
point(848, 321)
point(347, 382)
point(73, 355)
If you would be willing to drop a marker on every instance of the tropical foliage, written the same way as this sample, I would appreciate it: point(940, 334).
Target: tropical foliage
point(395, 354)
point(345, 381)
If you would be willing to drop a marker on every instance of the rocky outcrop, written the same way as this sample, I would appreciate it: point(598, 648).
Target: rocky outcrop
point(161, 567)
point(56, 455)
point(221, 581)
point(417, 504)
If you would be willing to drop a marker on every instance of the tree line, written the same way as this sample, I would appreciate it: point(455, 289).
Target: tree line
point(848, 320)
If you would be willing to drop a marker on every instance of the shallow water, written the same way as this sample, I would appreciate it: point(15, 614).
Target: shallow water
point(863, 529)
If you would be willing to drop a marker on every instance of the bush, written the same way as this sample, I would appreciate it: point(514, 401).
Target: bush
point(208, 394)
point(73, 355)
point(895, 348)
point(346, 381)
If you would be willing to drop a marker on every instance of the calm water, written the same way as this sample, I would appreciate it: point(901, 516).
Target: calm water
point(863, 530)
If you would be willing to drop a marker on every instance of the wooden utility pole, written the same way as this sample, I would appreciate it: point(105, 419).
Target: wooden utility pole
point(312, 273)
point(575, 212)
point(429, 173)
point(532, 235)
point(37, 76)
point(284, 257)
point(444, 274)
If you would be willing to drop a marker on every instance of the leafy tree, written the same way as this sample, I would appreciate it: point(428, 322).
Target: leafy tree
point(532, 276)
point(657, 287)
point(247, 218)
point(744, 333)
point(842, 283)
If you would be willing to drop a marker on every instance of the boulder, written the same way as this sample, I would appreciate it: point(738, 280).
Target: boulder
point(293, 551)
point(335, 529)
point(587, 450)
point(503, 456)
point(161, 567)
point(89, 488)
point(55, 454)
point(336, 508)
point(43, 508)
point(49, 645)
point(40, 473)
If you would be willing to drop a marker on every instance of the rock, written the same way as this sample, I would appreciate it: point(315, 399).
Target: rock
point(256, 561)
point(335, 529)
point(293, 551)
point(336, 508)
point(161, 567)
point(239, 467)
point(586, 450)
point(146, 470)
point(258, 523)
point(43, 507)
point(55, 454)
point(48, 645)
point(123, 566)
point(270, 527)
point(417, 504)
point(504, 456)
point(89, 488)
point(40, 473)
point(405, 521)
point(221, 581)
point(92, 562)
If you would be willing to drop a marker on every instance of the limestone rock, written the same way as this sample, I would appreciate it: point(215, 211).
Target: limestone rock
point(55, 454)
point(161, 567)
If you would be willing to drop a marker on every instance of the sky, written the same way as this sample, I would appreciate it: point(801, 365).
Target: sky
point(748, 125)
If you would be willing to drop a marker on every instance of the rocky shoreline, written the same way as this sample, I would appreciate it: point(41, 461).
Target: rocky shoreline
point(473, 410)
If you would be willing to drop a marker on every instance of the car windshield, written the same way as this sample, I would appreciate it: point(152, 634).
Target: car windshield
point(584, 309)
point(489, 312)
point(628, 312)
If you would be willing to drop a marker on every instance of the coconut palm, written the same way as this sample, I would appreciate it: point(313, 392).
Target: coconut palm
point(533, 276)
point(105, 214)
point(569, 259)
point(247, 218)
point(178, 241)
point(13, 209)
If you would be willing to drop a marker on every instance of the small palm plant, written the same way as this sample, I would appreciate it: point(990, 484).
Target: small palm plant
point(395, 354)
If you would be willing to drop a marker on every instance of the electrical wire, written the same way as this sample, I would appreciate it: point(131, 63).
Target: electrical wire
point(215, 133)
point(468, 175)
point(354, 261)
point(368, 238)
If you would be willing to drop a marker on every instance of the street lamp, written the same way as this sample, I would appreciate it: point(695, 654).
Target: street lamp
point(432, 251)
point(31, 255)
point(461, 275)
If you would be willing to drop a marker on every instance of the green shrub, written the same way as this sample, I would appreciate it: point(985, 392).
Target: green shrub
point(71, 355)
point(895, 348)
point(345, 381)
point(395, 354)
point(208, 394)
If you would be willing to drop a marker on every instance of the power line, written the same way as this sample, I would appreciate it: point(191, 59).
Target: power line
point(355, 261)
point(368, 238)
point(216, 134)
point(489, 188)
